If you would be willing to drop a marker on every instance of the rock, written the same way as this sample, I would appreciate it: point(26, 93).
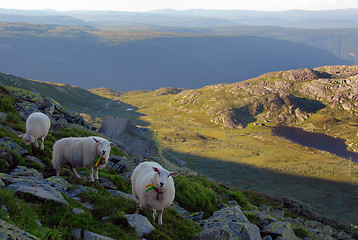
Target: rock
point(3, 207)
point(77, 211)
point(76, 232)
point(2, 184)
point(38, 222)
point(123, 195)
point(140, 223)
point(42, 192)
point(7, 142)
point(36, 160)
point(9, 231)
point(229, 223)
point(303, 74)
point(279, 229)
point(87, 235)
point(2, 116)
point(137, 140)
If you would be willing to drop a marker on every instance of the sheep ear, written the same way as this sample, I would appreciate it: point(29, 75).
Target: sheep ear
point(96, 140)
point(155, 169)
point(112, 144)
point(21, 135)
point(174, 174)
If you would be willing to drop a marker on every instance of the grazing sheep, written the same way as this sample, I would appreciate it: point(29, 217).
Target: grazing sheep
point(86, 152)
point(37, 126)
point(154, 187)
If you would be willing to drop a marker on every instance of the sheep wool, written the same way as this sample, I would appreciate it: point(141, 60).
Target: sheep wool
point(37, 126)
point(87, 152)
point(154, 187)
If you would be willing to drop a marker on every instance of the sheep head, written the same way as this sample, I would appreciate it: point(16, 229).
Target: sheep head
point(27, 138)
point(161, 177)
point(103, 149)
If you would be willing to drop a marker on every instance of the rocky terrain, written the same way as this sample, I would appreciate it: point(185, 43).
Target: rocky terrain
point(33, 186)
point(288, 97)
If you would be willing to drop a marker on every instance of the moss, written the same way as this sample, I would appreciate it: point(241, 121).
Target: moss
point(301, 232)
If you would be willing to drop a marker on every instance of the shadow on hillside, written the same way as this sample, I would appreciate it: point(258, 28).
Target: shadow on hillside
point(333, 199)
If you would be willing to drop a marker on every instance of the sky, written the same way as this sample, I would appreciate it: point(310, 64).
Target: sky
point(146, 5)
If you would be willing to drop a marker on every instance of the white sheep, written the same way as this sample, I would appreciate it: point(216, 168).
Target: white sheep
point(85, 152)
point(37, 126)
point(154, 187)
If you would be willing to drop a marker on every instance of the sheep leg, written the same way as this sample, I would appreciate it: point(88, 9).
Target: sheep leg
point(75, 173)
point(58, 170)
point(91, 174)
point(36, 143)
point(96, 173)
point(42, 143)
point(139, 208)
point(160, 218)
point(154, 213)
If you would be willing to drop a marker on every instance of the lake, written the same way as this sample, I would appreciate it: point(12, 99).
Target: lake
point(318, 141)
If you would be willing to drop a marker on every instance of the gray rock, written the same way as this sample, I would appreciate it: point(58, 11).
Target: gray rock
point(76, 232)
point(280, 229)
point(87, 235)
point(38, 222)
point(140, 223)
point(138, 141)
point(77, 211)
point(3, 207)
point(2, 184)
point(7, 142)
point(123, 195)
point(42, 192)
point(35, 160)
point(3, 116)
point(229, 223)
point(9, 231)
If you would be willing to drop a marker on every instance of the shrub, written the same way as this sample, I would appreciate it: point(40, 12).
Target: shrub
point(194, 196)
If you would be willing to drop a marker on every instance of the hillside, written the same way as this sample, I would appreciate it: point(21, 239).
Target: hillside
point(217, 131)
point(90, 57)
point(66, 208)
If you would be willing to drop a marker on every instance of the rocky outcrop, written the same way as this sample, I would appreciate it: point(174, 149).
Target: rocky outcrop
point(9, 231)
point(229, 223)
point(137, 140)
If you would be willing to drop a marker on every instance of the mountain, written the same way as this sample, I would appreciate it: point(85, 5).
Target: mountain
point(89, 58)
point(71, 207)
point(342, 18)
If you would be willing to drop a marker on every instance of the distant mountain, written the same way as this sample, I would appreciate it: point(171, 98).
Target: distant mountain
point(343, 18)
point(90, 58)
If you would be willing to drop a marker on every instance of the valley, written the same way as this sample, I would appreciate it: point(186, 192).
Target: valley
point(250, 157)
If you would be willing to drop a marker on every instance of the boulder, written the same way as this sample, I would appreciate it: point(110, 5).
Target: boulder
point(87, 235)
point(229, 223)
point(7, 142)
point(279, 229)
point(140, 223)
point(41, 192)
point(9, 231)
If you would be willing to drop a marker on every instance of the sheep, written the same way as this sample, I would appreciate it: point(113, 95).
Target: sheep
point(154, 187)
point(37, 126)
point(85, 152)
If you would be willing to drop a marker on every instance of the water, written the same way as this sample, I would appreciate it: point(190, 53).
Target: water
point(318, 141)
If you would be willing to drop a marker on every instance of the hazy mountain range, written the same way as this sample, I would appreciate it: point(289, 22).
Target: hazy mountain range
point(165, 48)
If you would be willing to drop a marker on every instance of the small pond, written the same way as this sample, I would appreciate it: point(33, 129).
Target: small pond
point(318, 141)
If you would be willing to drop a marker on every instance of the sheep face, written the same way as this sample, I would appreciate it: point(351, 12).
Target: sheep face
point(27, 138)
point(103, 149)
point(161, 177)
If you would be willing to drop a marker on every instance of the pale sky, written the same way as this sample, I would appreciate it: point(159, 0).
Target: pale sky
point(145, 5)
